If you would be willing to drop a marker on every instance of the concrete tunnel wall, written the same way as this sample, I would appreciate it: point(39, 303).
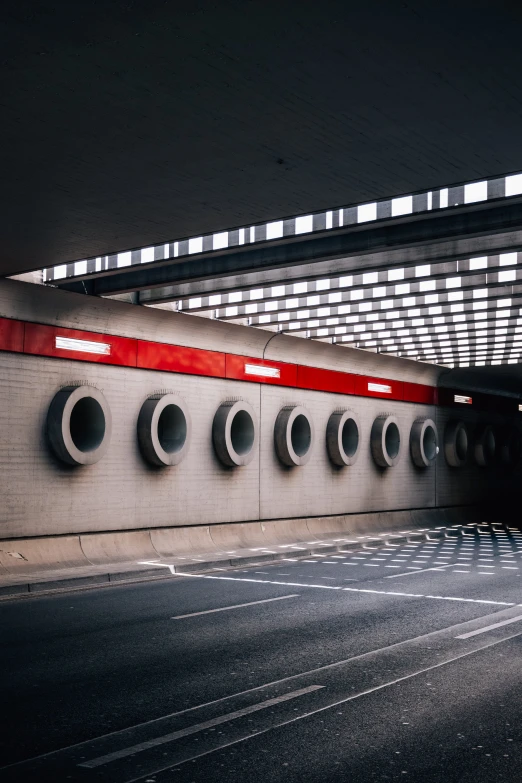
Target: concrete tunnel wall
point(44, 497)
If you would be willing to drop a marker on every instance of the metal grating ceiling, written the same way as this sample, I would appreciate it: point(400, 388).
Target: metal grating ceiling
point(452, 311)
point(461, 312)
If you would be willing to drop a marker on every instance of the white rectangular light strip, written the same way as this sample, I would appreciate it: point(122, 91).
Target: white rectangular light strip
point(380, 387)
point(520, 407)
point(84, 346)
point(263, 372)
point(463, 398)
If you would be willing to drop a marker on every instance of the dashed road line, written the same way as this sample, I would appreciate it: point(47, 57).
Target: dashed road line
point(490, 627)
point(236, 606)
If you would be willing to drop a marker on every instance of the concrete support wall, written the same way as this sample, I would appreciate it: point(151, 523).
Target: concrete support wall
point(42, 496)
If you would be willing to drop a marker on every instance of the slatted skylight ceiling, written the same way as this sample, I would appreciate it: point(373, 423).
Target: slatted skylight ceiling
point(457, 313)
point(454, 311)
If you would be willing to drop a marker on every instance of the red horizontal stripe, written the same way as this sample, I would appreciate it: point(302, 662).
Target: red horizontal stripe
point(177, 358)
point(40, 340)
point(325, 380)
point(11, 335)
point(417, 392)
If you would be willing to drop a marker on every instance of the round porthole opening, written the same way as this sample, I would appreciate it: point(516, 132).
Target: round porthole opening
point(350, 437)
point(301, 435)
point(235, 433)
point(489, 445)
point(511, 446)
point(456, 444)
point(87, 424)
point(485, 446)
point(242, 432)
point(430, 443)
point(392, 440)
point(424, 442)
point(172, 429)
point(164, 429)
point(293, 436)
point(79, 425)
point(342, 438)
point(461, 444)
point(385, 441)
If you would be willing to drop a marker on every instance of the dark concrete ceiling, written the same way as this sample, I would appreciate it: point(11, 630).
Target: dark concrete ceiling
point(128, 123)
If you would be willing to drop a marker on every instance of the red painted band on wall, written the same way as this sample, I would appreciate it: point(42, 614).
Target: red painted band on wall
point(11, 335)
point(40, 340)
point(78, 345)
point(378, 387)
point(178, 358)
point(325, 380)
point(417, 392)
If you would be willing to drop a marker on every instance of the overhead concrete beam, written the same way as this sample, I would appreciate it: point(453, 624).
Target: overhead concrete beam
point(479, 220)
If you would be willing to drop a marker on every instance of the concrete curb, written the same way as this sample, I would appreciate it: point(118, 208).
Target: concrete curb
point(49, 585)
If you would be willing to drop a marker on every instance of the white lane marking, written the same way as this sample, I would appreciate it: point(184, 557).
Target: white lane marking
point(196, 728)
point(322, 709)
point(236, 606)
point(421, 571)
point(490, 627)
point(326, 667)
point(435, 597)
point(350, 589)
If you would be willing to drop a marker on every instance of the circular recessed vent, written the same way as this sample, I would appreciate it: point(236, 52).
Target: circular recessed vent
point(485, 446)
point(342, 438)
point(385, 441)
point(510, 446)
point(293, 436)
point(235, 433)
point(424, 442)
point(456, 444)
point(164, 428)
point(79, 425)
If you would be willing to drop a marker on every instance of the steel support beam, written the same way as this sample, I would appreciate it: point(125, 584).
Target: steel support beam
point(462, 223)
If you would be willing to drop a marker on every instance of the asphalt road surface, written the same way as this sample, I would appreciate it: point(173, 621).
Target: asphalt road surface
point(388, 664)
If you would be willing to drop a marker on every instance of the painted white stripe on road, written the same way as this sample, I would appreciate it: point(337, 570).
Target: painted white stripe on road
point(421, 571)
point(208, 724)
point(236, 606)
point(350, 589)
point(121, 733)
point(490, 627)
